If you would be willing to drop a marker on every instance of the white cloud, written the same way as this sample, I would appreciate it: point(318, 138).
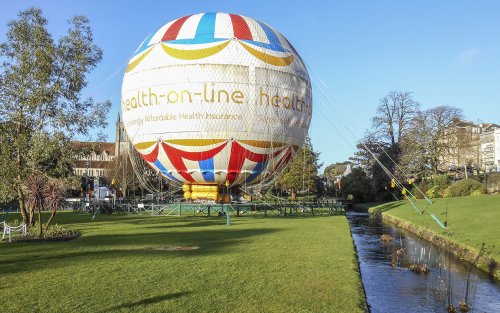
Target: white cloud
point(468, 55)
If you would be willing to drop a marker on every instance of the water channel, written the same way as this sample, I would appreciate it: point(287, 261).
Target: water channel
point(391, 287)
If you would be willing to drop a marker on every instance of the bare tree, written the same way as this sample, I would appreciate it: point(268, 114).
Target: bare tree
point(393, 116)
point(122, 174)
point(428, 142)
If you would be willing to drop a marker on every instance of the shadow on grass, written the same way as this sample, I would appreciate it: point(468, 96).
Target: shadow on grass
point(113, 246)
point(146, 301)
point(388, 206)
point(183, 222)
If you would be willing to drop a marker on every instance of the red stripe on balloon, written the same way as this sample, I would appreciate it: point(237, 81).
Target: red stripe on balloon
point(177, 156)
point(173, 30)
point(152, 156)
point(240, 27)
point(237, 158)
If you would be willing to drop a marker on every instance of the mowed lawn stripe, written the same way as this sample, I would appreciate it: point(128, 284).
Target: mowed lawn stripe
point(124, 263)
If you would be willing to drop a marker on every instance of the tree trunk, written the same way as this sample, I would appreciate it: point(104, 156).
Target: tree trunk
point(31, 216)
point(50, 220)
point(20, 194)
point(22, 205)
point(40, 233)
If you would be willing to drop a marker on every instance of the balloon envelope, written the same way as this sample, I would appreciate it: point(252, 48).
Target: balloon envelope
point(216, 97)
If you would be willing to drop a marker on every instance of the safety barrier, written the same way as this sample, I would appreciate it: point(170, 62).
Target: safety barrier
point(7, 230)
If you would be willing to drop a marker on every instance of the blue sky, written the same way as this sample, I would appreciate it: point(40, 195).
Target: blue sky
point(446, 52)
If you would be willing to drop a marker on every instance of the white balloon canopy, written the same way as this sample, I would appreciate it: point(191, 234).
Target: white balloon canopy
point(216, 98)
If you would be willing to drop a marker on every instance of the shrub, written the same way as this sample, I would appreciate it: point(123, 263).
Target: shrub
point(53, 233)
point(465, 187)
point(423, 186)
point(441, 181)
point(433, 192)
point(438, 186)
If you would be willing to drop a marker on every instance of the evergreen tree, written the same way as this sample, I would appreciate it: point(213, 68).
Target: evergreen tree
point(302, 173)
point(357, 186)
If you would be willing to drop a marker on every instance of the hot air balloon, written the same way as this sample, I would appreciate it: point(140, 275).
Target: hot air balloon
point(216, 99)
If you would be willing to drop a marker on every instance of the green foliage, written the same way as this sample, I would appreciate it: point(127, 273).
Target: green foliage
point(433, 192)
point(41, 103)
point(336, 169)
point(357, 186)
point(465, 187)
point(331, 173)
point(53, 233)
point(302, 173)
point(438, 186)
point(423, 186)
point(380, 179)
point(441, 181)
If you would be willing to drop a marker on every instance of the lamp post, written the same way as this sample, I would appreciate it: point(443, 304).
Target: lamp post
point(87, 165)
point(228, 211)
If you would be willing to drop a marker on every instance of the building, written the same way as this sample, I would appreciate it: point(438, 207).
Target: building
point(462, 147)
point(121, 138)
point(475, 146)
point(96, 157)
point(490, 148)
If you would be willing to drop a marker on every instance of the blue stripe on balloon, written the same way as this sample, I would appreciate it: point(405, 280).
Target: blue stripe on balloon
point(195, 41)
point(274, 42)
point(258, 169)
point(164, 171)
point(206, 28)
point(145, 45)
point(205, 32)
point(207, 170)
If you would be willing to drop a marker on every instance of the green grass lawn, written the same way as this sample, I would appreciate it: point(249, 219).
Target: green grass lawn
point(471, 220)
point(121, 264)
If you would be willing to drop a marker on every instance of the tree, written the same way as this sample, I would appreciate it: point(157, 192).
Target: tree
point(332, 172)
point(429, 139)
point(336, 169)
point(393, 116)
point(36, 186)
point(122, 173)
point(390, 125)
point(302, 173)
point(54, 199)
point(368, 147)
point(357, 185)
point(380, 150)
point(41, 84)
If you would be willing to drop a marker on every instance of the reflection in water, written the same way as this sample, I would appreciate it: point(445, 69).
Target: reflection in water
point(391, 287)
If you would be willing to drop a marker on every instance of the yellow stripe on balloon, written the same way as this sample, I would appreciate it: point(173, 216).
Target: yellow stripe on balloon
point(144, 145)
point(270, 59)
point(187, 54)
point(136, 62)
point(262, 144)
point(195, 142)
point(208, 142)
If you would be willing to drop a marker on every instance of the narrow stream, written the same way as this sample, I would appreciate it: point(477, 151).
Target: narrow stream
point(397, 289)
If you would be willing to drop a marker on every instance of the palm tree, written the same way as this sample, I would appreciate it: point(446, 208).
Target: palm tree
point(36, 186)
point(54, 199)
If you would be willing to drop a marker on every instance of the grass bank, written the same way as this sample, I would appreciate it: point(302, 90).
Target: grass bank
point(125, 263)
point(472, 221)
